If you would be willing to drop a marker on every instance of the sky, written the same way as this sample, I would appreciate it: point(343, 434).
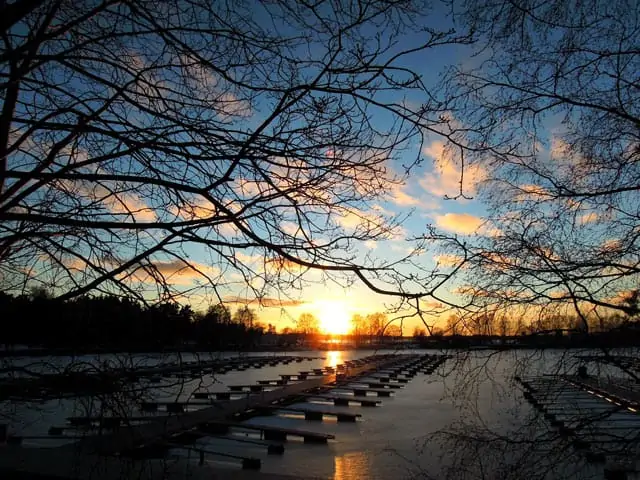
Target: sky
point(423, 197)
point(171, 93)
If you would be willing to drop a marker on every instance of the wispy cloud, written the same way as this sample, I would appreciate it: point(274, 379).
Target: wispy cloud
point(446, 176)
point(195, 209)
point(176, 272)
point(589, 217)
point(448, 260)
point(130, 204)
point(265, 301)
point(400, 197)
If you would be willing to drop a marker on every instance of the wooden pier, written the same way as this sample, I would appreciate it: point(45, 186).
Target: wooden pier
point(592, 417)
point(93, 380)
point(315, 415)
point(141, 438)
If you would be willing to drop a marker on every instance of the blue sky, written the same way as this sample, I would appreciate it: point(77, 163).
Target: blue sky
point(422, 197)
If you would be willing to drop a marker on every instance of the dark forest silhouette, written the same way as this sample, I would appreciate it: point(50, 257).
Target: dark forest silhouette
point(91, 323)
point(113, 322)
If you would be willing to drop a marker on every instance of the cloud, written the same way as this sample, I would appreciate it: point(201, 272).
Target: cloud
point(265, 301)
point(588, 218)
point(531, 192)
point(195, 209)
point(470, 290)
point(372, 222)
point(244, 258)
point(177, 272)
point(290, 228)
point(448, 260)
point(612, 245)
point(400, 247)
point(117, 202)
point(217, 92)
point(431, 305)
point(228, 229)
point(130, 204)
point(371, 244)
point(445, 179)
point(280, 264)
point(559, 148)
point(398, 196)
point(352, 219)
point(463, 223)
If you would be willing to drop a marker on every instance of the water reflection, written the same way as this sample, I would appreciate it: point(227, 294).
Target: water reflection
point(351, 466)
point(333, 358)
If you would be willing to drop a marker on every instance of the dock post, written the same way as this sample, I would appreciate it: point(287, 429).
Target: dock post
point(343, 417)
point(275, 435)
point(251, 464)
point(274, 449)
point(309, 415)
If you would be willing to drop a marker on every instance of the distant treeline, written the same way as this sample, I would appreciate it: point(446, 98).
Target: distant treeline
point(627, 335)
point(113, 322)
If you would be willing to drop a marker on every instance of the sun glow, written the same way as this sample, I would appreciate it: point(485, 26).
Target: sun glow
point(334, 317)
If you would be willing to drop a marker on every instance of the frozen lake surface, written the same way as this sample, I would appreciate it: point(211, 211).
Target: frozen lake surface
point(466, 420)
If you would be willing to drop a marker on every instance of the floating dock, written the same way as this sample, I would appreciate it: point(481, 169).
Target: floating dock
point(143, 438)
point(592, 417)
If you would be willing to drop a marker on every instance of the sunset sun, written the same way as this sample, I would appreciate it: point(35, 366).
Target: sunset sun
point(334, 317)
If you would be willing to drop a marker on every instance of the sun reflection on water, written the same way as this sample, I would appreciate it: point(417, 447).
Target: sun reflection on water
point(333, 358)
point(352, 466)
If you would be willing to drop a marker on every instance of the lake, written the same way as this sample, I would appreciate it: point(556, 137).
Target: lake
point(467, 420)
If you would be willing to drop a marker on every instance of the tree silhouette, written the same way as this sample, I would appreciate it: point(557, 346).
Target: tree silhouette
point(549, 112)
point(308, 324)
point(134, 133)
point(376, 323)
point(244, 316)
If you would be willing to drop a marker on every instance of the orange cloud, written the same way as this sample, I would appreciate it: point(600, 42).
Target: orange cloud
point(352, 219)
point(463, 223)
point(265, 301)
point(445, 180)
point(611, 245)
point(115, 201)
point(130, 205)
point(398, 196)
point(177, 272)
point(469, 290)
point(279, 264)
point(532, 192)
point(588, 218)
point(448, 260)
point(195, 209)
point(244, 258)
point(559, 148)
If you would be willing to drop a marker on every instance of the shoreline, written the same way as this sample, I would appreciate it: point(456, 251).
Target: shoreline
point(72, 352)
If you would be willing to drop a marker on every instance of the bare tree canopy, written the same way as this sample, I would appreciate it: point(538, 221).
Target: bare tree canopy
point(134, 133)
point(550, 111)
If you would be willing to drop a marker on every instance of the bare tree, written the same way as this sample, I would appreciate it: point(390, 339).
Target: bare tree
point(134, 134)
point(547, 115)
point(307, 324)
point(245, 316)
point(549, 111)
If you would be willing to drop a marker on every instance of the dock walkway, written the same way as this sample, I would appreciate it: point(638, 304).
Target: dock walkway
point(111, 455)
